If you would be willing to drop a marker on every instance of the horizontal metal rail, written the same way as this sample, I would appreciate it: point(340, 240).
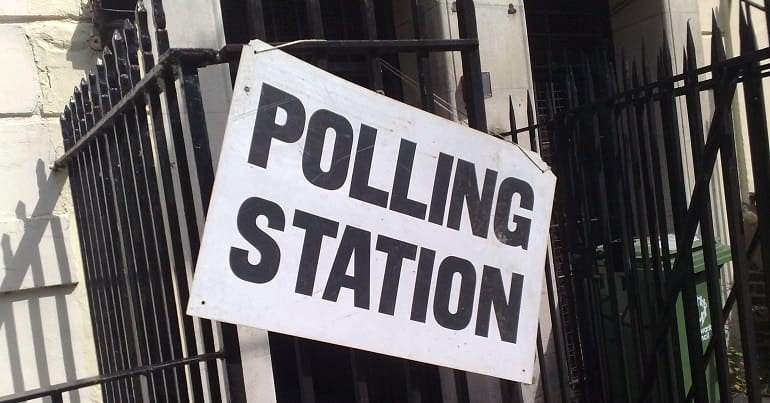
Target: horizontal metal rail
point(400, 45)
point(643, 93)
point(204, 57)
point(59, 389)
point(754, 4)
point(365, 46)
point(194, 56)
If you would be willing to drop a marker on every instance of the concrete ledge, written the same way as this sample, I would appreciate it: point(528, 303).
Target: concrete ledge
point(42, 9)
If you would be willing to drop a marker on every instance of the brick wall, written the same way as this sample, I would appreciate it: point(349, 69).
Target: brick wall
point(45, 331)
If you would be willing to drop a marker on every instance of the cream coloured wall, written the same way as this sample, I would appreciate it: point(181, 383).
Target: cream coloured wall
point(727, 14)
point(45, 330)
point(504, 54)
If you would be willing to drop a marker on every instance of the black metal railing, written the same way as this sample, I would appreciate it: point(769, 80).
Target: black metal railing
point(139, 163)
point(303, 368)
point(56, 392)
point(617, 151)
point(136, 149)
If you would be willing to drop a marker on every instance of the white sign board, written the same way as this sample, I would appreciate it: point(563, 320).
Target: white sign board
point(341, 215)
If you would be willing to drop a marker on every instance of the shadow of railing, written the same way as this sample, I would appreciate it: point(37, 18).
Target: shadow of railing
point(34, 294)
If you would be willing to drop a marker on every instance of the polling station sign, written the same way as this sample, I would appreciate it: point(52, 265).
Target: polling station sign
point(341, 215)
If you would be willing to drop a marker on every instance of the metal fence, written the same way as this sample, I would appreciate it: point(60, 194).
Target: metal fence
point(643, 303)
point(138, 158)
point(140, 169)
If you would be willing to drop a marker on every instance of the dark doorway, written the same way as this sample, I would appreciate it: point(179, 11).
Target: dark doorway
point(563, 36)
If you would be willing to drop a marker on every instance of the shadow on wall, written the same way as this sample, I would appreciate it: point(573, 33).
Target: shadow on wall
point(84, 46)
point(34, 294)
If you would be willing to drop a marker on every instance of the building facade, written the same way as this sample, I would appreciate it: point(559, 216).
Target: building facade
point(525, 46)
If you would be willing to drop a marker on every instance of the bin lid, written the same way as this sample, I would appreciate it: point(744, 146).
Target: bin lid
point(722, 251)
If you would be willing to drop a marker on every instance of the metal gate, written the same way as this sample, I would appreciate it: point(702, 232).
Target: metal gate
point(140, 169)
point(138, 157)
point(641, 300)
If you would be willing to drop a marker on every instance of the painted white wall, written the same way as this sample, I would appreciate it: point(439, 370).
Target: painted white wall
point(727, 15)
point(636, 23)
point(45, 330)
point(504, 52)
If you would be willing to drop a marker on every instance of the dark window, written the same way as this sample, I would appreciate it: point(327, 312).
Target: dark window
point(562, 34)
point(288, 20)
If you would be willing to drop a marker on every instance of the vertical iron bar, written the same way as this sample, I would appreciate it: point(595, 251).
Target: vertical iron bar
point(190, 216)
point(159, 270)
point(461, 387)
point(134, 197)
point(171, 218)
point(304, 372)
point(653, 182)
point(556, 326)
point(610, 183)
point(754, 96)
point(151, 265)
point(533, 144)
point(560, 152)
point(648, 245)
point(92, 179)
point(669, 134)
point(200, 156)
point(183, 332)
point(543, 368)
point(90, 228)
point(118, 267)
point(767, 17)
point(139, 43)
point(85, 240)
point(370, 26)
point(471, 59)
point(256, 19)
point(695, 119)
point(734, 212)
point(703, 174)
point(200, 172)
point(423, 59)
point(88, 99)
point(630, 223)
point(648, 235)
point(684, 255)
point(315, 19)
point(512, 121)
point(159, 19)
point(201, 151)
point(358, 377)
point(316, 28)
point(557, 333)
point(186, 215)
point(126, 205)
point(426, 82)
